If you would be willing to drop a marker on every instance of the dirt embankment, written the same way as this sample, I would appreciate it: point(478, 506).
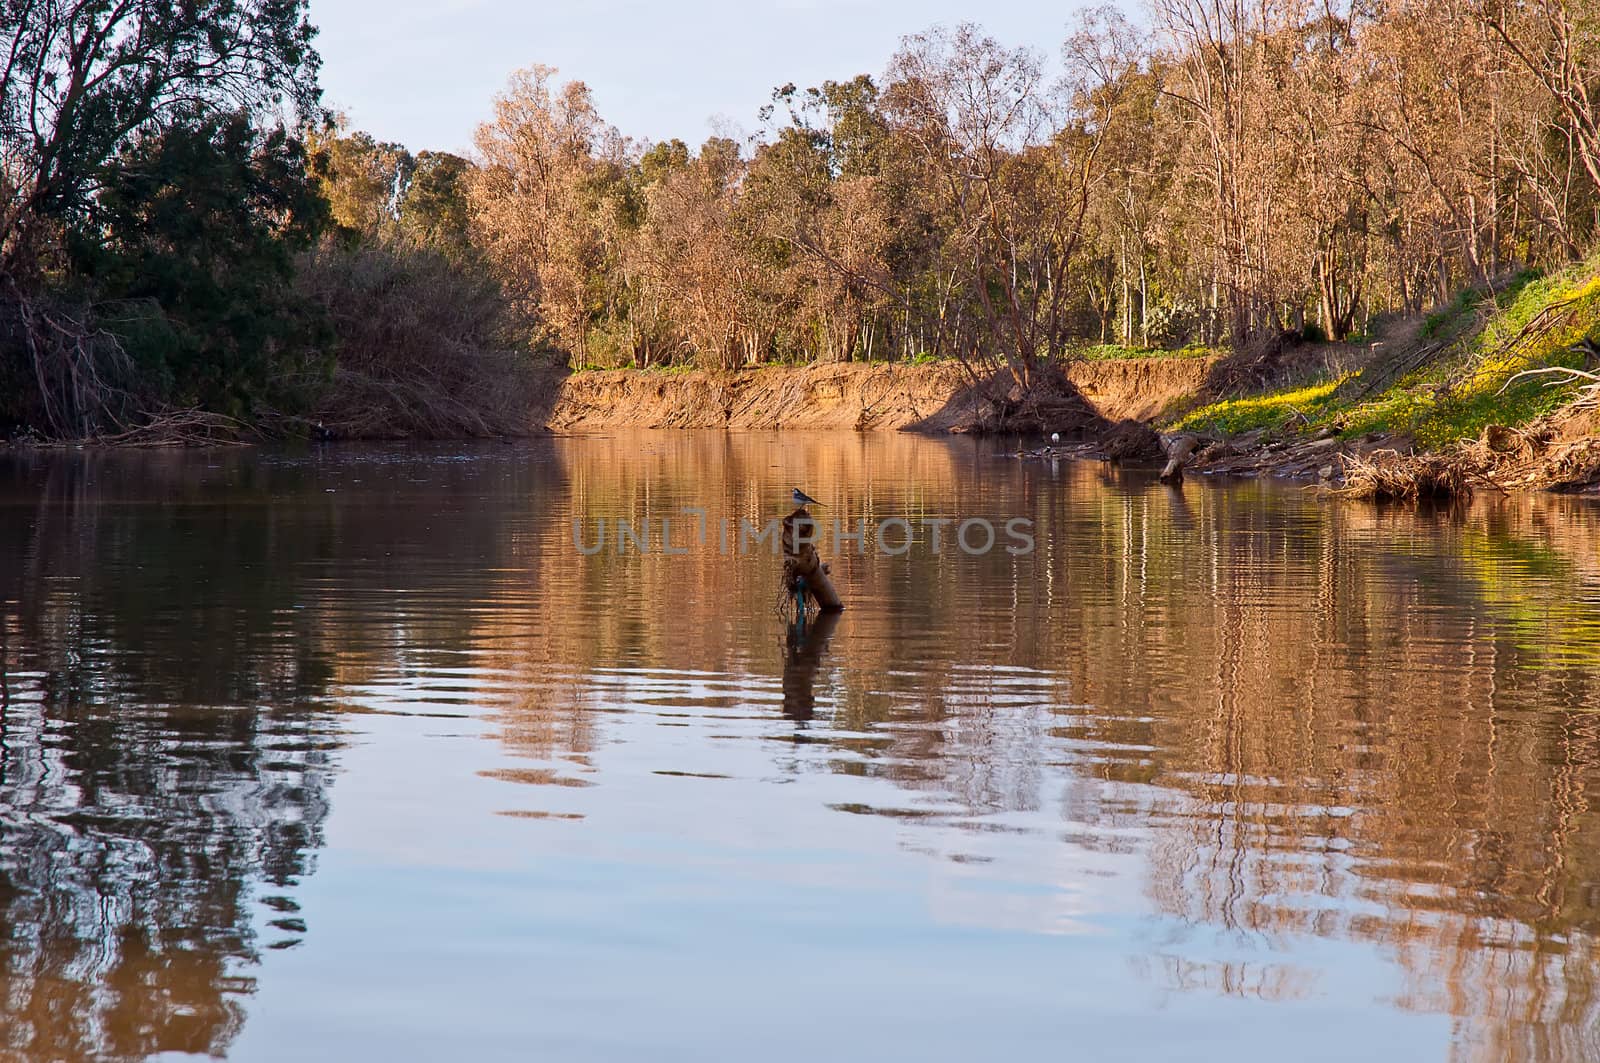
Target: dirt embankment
point(933, 398)
point(1140, 389)
point(815, 396)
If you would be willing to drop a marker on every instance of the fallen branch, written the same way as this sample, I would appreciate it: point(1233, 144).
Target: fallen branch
point(1589, 393)
point(174, 428)
point(79, 371)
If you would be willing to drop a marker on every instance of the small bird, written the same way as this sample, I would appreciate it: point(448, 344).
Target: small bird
point(803, 499)
point(1055, 437)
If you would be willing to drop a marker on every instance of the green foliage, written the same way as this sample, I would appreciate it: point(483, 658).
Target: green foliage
point(433, 206)
point(608, 345)
point(379, 190)
point(189, 250)
point(146, 230)
point(662, 160)
point(362, 179)
point(1272, 410)
point(1534, 324)
point(83, 79)
point(966, 208)
point(1171, 324)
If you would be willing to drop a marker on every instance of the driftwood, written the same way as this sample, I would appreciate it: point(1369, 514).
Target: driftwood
point(1179, 450)
point(804, 571)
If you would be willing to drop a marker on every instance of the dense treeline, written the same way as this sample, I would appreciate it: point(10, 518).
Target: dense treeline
point(182, 252)
point(1241, 172)
point(149, 215)
point(181, 227)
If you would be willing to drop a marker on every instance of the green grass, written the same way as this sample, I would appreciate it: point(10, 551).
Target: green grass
point(1272, 410)
point(1456, 396)
point(1450, 318)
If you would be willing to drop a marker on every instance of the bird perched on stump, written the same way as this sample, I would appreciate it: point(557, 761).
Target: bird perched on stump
point(803, 499)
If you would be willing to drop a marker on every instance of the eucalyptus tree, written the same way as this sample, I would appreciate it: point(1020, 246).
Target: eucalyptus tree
point(1558, 43)
point(82, 78)
point(1012, 160)
point(91, 92)
point(433, 206)
point(544, 155)
point(363, 179)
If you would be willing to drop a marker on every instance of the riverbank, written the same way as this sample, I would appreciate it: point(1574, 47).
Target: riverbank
point(1556, 453)
point(1493, 391)
point(932, 397)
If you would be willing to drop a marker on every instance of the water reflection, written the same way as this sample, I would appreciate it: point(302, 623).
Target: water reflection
point(1222, 730)
point(805, 647)
point(156, 782)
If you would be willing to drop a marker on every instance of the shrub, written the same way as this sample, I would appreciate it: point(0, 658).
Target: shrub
point(425, 344)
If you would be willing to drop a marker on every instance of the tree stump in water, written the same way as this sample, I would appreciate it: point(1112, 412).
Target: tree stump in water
point(1178, 451)
point(804, 572)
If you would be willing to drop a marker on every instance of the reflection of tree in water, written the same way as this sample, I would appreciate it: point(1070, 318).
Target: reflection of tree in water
point(170, 627)
point(1344, 723)
point(138, 832)
point(1340, 722)
point(1344, 729)
point(133, 845)
point(1310, 720)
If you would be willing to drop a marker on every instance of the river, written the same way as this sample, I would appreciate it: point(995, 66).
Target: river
point(368, 752)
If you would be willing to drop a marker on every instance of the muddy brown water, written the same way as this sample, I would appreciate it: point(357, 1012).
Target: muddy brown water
point(352, 754)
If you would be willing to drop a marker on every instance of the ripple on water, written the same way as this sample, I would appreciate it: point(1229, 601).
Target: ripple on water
point(1226, 765)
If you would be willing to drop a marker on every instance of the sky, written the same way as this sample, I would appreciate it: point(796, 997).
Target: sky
point(424, 72)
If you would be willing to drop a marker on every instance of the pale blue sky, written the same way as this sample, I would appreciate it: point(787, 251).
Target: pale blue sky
point(423, 72)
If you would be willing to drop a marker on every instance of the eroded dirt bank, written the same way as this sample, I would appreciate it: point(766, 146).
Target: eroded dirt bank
point(1139, 389)
point(932, 398)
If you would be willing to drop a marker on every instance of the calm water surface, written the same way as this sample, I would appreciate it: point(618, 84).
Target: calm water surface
point(351, 754)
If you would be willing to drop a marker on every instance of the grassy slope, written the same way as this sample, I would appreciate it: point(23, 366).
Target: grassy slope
point(1454, 395)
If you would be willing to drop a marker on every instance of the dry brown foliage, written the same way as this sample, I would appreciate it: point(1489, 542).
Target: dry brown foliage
point(1388, 475)
point(422, 347)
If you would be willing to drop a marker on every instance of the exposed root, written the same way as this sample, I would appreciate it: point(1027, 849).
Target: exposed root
point(1052, 403)
point(1253, 366)
point(1499, 459)
point(1573, 467)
